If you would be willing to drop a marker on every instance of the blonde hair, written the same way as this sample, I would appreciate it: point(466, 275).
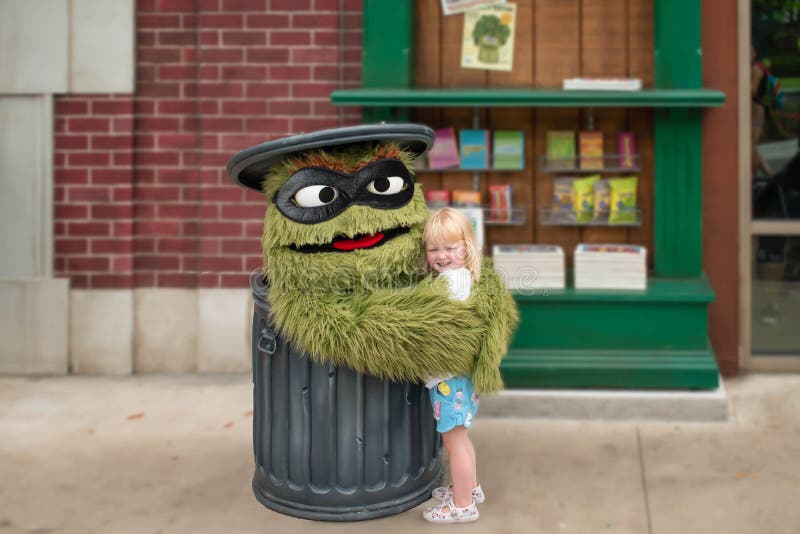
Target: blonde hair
point(448, 225)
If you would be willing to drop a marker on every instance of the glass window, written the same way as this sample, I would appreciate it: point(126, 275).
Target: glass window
point(776, 295)
point(775, 108)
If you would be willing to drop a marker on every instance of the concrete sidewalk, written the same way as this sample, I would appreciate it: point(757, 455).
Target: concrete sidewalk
point(173, 454)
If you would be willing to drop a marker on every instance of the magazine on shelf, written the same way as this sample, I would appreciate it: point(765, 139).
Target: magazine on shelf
point(591, 150)
point(444, 152)
point(474, 149)
point(500, 203)
point(508, 149)
point(626, 150)
point(475, 216)
point(437, 198)
point(603, 84)
point(561, 149)
point(466, 198)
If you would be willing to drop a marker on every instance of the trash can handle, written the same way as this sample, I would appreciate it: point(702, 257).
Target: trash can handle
point(269, 336)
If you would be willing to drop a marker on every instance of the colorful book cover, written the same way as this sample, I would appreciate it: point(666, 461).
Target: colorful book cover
point(508, 149)
point(437, 198)
point(488, 39)
point(500, 202)
point(561, 149)
point(475, 216)
point(528, 249)
point(610, 248)
point(591, 150)
point(466, 198)
point(626, 150)
point(444, 152)
point(474, 149)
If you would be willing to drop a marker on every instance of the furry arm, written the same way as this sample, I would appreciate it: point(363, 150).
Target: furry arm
point(498, 311)
point(404, 334)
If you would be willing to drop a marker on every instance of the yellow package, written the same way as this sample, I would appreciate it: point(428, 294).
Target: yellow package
point(562, 193)
point(583, 198)
point(602, 199)
point(623, 200)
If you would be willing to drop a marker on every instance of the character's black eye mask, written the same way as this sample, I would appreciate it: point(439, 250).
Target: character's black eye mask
point(316, 194)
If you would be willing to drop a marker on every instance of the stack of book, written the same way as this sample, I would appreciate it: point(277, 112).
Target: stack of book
point(600, 266)
point(603, 84)
point(530, 266)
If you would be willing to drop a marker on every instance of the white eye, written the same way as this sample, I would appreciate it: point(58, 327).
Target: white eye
point(315, 195)
point(386, 186)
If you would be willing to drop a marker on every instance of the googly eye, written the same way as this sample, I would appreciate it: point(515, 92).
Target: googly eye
point(315, 195)
point(386, 186)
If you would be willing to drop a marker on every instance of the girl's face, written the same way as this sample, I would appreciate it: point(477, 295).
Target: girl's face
point(446, 256)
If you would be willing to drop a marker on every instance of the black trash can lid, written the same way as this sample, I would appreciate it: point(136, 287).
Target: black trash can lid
point(248, 167)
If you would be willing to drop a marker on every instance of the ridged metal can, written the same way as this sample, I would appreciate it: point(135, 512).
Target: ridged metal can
point(332, 444)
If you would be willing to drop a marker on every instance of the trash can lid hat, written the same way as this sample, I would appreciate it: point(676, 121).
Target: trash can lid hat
point(249, 167)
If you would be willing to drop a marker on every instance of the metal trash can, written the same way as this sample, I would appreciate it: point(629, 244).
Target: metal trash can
point(332, 444)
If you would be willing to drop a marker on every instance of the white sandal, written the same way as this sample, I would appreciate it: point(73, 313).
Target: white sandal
point(446, 492)
point(452, 514)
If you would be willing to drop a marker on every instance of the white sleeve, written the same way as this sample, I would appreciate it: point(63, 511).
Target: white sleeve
point(460, 282)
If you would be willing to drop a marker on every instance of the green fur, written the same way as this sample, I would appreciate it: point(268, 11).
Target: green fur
point(370, 309)
point(495, 305)
point(404, 333)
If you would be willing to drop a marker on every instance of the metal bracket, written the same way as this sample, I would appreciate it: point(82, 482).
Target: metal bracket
point(267, 342)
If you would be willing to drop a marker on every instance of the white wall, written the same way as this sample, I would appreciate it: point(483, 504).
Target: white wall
point(47, 47)
point(60, 46)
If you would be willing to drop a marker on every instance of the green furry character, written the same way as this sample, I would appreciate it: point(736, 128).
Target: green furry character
point(342, 250)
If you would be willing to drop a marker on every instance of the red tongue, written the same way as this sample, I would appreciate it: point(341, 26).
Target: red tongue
point(361, 242)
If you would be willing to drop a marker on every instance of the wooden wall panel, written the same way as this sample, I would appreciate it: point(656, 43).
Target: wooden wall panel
point(454, 76)
point(557, 56)
point(604, 54)
point(522, 182)
point(640, 41)
point(640, 122)
point(557, 35)
point(554, 39)
point(428, 72)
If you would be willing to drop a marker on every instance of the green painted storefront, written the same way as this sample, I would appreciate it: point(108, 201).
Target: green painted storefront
point(656, 338)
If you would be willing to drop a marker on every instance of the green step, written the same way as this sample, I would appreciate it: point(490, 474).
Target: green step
point(655, 338)
point(611, 369)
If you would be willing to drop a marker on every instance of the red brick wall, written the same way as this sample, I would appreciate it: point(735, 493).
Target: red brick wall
point(142, 198)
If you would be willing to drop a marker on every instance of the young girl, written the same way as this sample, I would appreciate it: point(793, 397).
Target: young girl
point(451, 251)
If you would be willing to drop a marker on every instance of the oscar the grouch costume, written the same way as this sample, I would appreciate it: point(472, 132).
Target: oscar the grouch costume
point(342, 247)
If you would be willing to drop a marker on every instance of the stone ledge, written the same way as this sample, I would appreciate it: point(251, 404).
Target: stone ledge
point(33, 325)
point(609, 405)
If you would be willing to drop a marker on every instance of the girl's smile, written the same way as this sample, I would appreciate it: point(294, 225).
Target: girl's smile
point(446, 256)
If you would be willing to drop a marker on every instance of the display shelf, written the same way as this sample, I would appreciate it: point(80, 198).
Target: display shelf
point(553, 216)
point(592, 338)
point(413, 97)
point(426, 170)
point(515, 216)
point(611, 164)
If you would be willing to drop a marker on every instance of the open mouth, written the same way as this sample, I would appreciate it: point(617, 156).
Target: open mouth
point(359, 242)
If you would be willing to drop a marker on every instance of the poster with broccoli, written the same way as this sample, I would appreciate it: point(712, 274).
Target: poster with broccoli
point(488, 41)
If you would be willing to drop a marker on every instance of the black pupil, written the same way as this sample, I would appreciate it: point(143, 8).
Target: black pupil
point(326, 194)
point(381, 185)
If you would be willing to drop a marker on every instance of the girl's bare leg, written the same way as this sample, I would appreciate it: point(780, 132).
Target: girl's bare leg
point(462, 465)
